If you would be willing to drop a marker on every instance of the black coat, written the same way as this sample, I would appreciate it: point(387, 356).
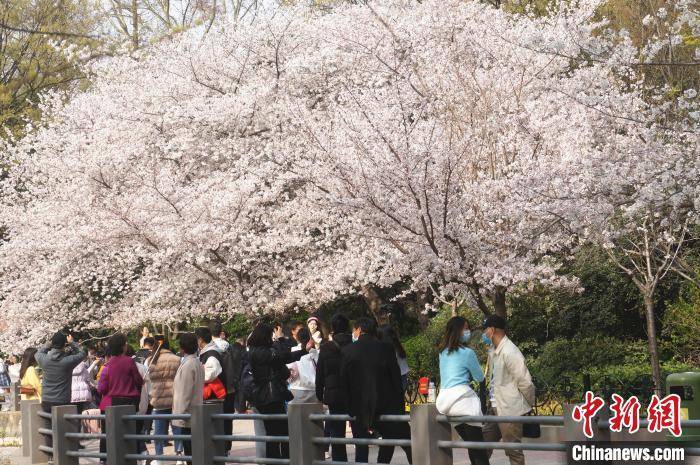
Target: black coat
point(372, 380)
point(329, 388)
point(270, 374)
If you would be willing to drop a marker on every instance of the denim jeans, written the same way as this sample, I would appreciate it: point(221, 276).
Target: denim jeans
point(160, 427)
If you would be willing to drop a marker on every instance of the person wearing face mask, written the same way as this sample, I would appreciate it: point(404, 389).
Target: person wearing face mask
point(458, 367)
point(512, 392)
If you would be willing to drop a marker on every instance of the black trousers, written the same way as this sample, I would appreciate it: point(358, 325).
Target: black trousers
point(140, 445)
point(387, 430)
point(473, 433)
point(275, 450)
point(229, 407)
point(336, 429)
point(46, 407)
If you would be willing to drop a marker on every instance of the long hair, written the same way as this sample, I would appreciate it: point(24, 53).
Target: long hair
point(452, 339)
point(28, 360)
point(261, 336)
point(390, 335)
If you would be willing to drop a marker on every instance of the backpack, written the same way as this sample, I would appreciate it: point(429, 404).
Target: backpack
point(247, 383)
point(231, 366)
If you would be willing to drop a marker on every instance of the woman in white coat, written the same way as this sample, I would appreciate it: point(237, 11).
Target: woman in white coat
point(458, 367)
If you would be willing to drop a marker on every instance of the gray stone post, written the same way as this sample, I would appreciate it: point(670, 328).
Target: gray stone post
point(117, 427)
point(301, 431)
point(36, 439)
point(426, 431)
point(16, 397)
point(26, 426)
point(60, 426)
point(204, 427)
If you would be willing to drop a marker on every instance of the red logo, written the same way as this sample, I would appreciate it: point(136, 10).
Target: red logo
point(586, 411)
point(665, 414)
point(625, 414)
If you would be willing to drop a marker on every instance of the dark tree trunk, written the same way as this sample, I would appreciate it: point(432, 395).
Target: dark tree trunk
point(499, 302)
point(651, 338)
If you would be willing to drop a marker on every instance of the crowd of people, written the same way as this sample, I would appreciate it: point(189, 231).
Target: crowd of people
point(357, 369)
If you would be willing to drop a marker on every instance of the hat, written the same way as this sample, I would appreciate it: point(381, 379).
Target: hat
point(59, 340)
point(312, 318)
point(494, 321)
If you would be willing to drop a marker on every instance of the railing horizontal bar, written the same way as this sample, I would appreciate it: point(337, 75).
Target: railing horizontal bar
point(692, 451)
point(554, 447)
point(45, 431)
point(43, 414)
point(250, 416)
point(363, 441)
point(395, 418)
point(75, 416)
point(542, 420)
point(330, 417)
point(331, 462)
point(47, 449)
point(165, 458)
point(86, 454)
point(164, 437)
point(241, 438)
point(86, 435)
point(159, 416)
point(227, 459)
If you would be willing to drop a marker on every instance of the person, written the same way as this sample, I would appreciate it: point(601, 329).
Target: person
point(145, 351)
point(30, 384)
point(390, 335)
point(313, 324)
point(217, 336)
point(13, 368)
point(121, 380)
point(4, 375)
point(82, 387)
point(162, 366)
point(188, 386)
point(279, 339)
point(57, 361)
point(302, 381)
point(104, 400)
point(511, 390)
point(372, 381)
point(145, 333)
point(458, 367)
point(294, 327)
point(329, 389)
point(270, 373)
point(212, 358)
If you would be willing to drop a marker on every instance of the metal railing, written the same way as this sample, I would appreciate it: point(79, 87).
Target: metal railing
point(430, 439)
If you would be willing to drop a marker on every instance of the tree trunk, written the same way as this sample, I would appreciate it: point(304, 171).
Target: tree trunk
point(499, 302)
point(651, 338)
point(374, 302)
point(134, 24)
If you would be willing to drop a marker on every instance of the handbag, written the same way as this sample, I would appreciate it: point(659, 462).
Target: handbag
point(27, 390)
point(531, 430)
point(214, 390)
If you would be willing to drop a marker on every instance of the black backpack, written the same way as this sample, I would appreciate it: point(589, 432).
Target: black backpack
point(247, 383)
point(231, 366)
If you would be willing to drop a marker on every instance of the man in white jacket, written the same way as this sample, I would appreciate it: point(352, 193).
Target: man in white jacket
point(511, 390)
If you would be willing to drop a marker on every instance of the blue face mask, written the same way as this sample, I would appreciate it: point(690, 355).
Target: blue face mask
point(354, 338)
point(486, 339)
point(466, 335)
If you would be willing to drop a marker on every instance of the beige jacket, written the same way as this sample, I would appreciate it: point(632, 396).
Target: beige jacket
point(188, 388)
point(162, 374)
point(513, 387)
